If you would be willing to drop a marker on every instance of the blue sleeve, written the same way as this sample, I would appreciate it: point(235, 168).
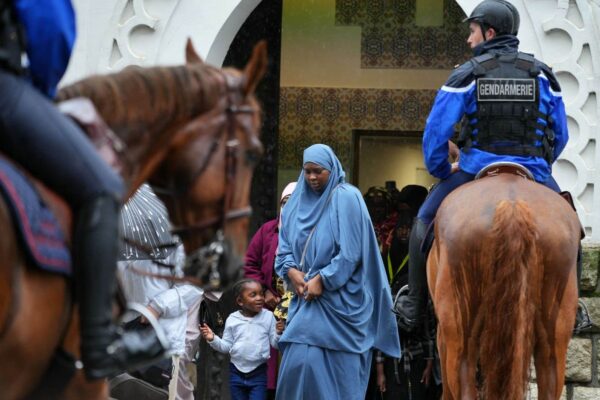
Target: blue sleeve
point(447, 110)
point(223, 345)
point(350, 233)
point(50, 34)
point(273, 336)
point(561, 132)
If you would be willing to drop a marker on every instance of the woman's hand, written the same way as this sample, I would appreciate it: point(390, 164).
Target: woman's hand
point(313, 288)
point(297, 279)
point(426, 378)
point(280, 326)
point(207, 333)
point(271, 300)
point(380, 377)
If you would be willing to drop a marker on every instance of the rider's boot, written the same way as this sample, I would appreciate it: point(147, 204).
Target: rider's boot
point(582, 318)
point(411, 309)
point(106, 350)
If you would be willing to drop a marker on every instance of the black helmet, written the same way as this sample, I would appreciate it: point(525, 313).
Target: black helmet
point(498, 14)
point(516, 17)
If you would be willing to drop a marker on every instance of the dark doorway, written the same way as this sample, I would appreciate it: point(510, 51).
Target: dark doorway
point(263, 23)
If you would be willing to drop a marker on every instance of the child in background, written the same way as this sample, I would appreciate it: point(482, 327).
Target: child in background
point(247, 336)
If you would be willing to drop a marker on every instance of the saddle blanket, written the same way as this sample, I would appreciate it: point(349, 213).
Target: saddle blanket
point(40, 233)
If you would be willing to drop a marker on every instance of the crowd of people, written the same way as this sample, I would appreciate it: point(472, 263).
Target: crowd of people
point(342, 257)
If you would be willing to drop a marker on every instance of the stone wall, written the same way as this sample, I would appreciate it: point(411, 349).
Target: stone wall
point(583, 358)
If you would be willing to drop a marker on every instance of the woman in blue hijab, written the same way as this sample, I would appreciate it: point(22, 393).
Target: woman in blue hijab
point(342, 308)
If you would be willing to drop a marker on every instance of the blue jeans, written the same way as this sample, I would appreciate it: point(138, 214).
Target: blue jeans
point(443, 188)
point(248, 386)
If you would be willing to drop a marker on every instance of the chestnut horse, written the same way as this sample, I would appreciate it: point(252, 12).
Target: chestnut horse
point(502, 274)
point(191, 130)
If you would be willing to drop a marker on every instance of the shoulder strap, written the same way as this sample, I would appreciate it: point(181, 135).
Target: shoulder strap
point(484, 63)
point(526, 62)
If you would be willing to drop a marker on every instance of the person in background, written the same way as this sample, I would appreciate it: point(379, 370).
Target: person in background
point(396, 258)
point(259, 265)
point(383, 216)
point(411, 376)
point(413, 196)
point(175, 306)
point(341, 310)
point(249, 334)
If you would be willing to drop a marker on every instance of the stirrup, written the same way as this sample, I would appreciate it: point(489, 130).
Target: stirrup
point(584, 322)
point(399, 308)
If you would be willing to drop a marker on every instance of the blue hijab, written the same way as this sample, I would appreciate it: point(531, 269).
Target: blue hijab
point(305, 206)
point(354, 313)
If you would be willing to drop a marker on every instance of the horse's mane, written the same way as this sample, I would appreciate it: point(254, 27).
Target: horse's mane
point(163, 96)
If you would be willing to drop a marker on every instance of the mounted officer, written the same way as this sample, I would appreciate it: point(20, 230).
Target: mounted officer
point(36, 39)
point(511, 109)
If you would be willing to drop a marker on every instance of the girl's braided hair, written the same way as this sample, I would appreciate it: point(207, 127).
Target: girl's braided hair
point(238, 287)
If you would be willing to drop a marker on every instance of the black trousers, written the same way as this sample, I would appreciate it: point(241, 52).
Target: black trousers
point(50, 146)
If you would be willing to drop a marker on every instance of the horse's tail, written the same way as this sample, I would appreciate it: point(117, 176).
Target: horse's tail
point(509, 302)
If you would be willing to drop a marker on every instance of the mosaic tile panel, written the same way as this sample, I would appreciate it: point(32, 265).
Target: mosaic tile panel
point(391, 39)
point(326, 115)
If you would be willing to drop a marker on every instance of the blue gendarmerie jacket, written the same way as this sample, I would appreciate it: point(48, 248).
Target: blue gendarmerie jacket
point(458, 97)
point(49, 34)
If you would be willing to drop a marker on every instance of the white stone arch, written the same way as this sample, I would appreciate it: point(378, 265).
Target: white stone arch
point(565, 34)
point(113, 34)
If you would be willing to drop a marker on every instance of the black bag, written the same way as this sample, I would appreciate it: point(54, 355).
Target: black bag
point(158, 374)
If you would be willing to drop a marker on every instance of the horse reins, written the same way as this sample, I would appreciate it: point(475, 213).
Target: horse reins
point(231, 149)
point(232, 144)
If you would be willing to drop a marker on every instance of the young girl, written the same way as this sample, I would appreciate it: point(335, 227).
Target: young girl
point(248, 333)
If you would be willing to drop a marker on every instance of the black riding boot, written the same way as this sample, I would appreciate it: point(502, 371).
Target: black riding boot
point(582, 318)
point(105, 349)
point(411, 309)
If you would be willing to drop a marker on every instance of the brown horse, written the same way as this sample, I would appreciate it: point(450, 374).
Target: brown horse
point(502, 273)
point(191, 129)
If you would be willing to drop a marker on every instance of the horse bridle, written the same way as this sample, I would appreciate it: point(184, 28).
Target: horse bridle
point(207, 258)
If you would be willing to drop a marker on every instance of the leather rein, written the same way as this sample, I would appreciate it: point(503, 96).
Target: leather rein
point(210, 254)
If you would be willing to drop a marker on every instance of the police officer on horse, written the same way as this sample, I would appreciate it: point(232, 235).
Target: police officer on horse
point(36, 39)
point(511, 109)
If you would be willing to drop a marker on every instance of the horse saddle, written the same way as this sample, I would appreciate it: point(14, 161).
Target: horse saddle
point(33, 207)
point(505, 167)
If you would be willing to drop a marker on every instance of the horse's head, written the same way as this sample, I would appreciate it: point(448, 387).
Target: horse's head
point(205, 178)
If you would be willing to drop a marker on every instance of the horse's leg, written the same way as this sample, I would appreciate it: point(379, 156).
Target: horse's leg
point(553, 332)
point(450, 342)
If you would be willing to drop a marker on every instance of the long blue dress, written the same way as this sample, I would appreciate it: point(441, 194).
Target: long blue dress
point(328, 342)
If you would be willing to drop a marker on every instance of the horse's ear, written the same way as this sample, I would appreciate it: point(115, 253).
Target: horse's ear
point(256, 67)
point(191, 57)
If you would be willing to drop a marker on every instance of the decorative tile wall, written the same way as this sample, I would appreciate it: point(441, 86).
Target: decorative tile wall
point(326, 115)
point(391, 38)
